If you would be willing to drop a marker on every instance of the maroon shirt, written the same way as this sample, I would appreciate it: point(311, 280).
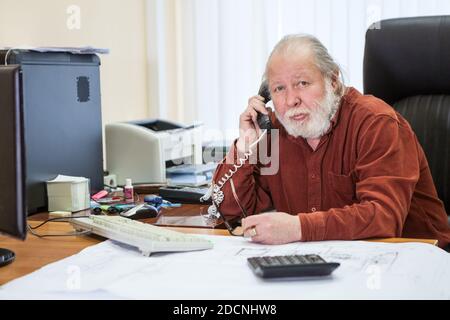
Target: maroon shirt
point(367, 178)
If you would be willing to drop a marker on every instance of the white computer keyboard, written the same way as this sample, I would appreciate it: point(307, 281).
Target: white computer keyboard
point(146, 237)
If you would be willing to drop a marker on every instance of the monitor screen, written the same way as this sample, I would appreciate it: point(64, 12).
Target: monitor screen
point(12, 149)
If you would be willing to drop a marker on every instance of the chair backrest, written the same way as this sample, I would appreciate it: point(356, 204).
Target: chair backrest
point(407, 64)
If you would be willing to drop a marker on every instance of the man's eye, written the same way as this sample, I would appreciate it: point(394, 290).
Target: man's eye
point(278, 89)
point(303, 84)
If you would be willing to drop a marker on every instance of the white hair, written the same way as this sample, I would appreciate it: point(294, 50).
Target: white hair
point(294, 44)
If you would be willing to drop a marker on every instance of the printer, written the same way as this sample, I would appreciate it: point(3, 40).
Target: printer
point(143, 150)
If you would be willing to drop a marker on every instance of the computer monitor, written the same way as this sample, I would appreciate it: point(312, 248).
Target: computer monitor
point(13, 211)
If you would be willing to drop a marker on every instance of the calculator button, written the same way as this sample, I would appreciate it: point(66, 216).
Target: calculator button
point(315, 258)
point(274, 261)
point(265, 261)
point(284, 260)
point(292, 259)
point(296, 259)
point(305, 259)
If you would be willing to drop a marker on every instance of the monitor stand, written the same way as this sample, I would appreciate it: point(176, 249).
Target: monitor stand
point(6, 256)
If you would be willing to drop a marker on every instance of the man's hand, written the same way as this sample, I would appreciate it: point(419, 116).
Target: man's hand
point(272, 228)
point(249, 130)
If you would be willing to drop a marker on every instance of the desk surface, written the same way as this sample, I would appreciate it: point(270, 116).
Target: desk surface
point(35, 252)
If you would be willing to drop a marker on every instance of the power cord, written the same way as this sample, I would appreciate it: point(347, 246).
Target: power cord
point(14, 48)
point(31, 229)
point(6, 55)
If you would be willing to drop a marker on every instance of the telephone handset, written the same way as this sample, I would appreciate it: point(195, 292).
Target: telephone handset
point(263, 119)
point(216, 189)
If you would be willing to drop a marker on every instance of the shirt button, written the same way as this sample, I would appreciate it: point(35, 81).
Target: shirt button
point(313, 209)
point(313, 176)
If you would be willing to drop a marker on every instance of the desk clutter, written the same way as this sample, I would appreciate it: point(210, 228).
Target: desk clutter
point(119, 201)
point(114, 212)
point(172, 207)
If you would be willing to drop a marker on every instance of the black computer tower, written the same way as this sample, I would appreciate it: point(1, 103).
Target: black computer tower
point(62, 119)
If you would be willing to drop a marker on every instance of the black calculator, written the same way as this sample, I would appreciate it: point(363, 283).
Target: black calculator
point(309, 265)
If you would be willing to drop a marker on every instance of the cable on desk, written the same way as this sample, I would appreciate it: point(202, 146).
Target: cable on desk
point(55, 219)
point(31, 229)
point(77, 233)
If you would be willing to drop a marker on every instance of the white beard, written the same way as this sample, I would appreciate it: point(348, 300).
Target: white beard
point(318, 121)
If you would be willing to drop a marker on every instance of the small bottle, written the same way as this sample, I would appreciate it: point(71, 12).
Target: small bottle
point(128, 191)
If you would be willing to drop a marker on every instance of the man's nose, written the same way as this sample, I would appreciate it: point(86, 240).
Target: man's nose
point(293, 99)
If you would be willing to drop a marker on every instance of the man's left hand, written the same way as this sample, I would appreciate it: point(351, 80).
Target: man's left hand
point(272, 228)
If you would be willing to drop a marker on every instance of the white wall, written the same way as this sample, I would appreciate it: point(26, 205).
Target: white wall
point(114, 24)
point(220, 64)
point(197, 60)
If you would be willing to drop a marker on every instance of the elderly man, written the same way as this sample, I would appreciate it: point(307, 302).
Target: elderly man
point(350, 167)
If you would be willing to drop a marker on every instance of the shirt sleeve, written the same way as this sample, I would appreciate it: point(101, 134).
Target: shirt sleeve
point(251, 188)
point(386, 171)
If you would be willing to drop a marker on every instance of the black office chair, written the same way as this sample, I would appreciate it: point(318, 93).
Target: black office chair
point(407, 64)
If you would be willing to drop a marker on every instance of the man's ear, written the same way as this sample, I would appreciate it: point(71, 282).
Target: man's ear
point(336, 84)
point(335, 80)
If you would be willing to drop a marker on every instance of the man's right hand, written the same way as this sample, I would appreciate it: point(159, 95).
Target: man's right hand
point(249, 130)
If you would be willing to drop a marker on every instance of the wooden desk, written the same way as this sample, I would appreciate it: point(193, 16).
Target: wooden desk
point(35, 252)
